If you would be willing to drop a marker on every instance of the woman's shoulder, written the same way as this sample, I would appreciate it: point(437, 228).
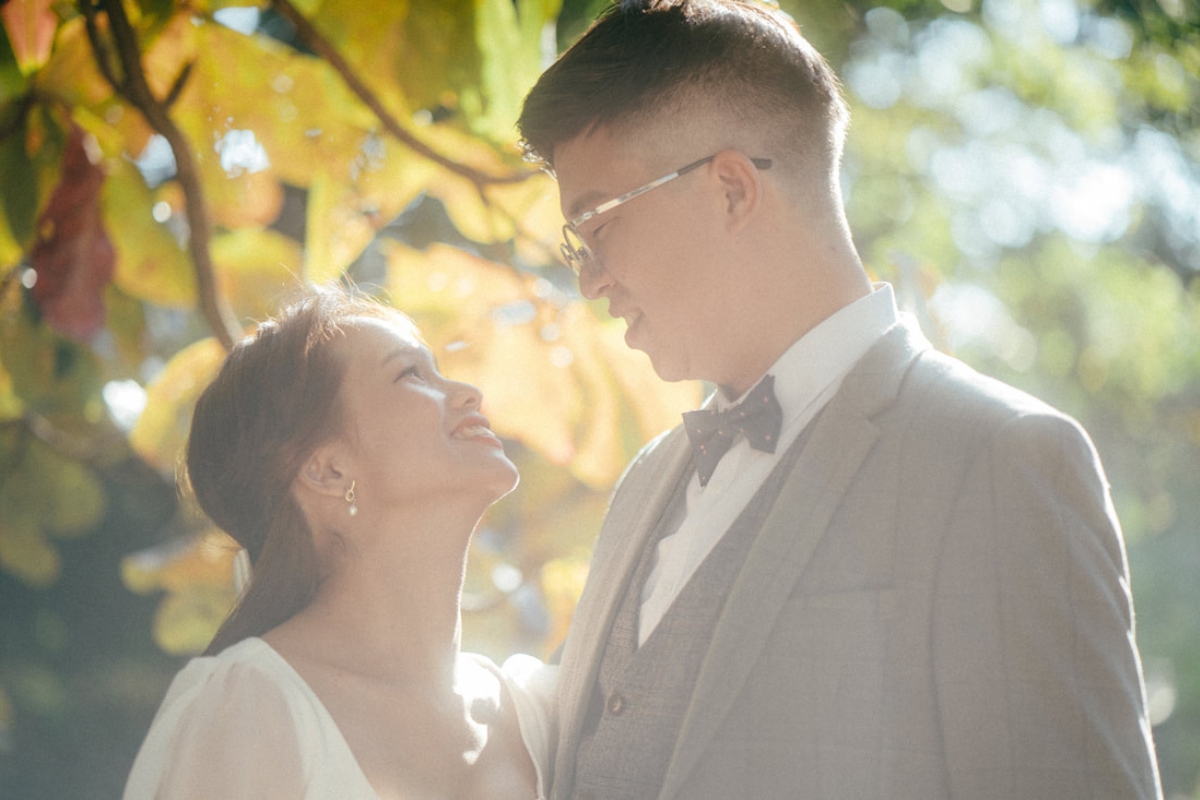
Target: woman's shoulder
point(222, 714)
point(247, 676)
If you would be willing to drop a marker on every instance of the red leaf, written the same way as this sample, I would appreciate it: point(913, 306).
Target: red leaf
point(30, 26)
point(73, 256)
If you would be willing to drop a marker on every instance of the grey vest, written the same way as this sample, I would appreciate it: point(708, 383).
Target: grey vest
point(641, 694)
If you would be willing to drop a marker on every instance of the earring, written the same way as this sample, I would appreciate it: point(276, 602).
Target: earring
point(349, 496)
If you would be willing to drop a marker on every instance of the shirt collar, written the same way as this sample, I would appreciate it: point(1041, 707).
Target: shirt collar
point(828, 351)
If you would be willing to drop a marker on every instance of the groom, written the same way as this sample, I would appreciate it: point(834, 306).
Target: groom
point(862, 569)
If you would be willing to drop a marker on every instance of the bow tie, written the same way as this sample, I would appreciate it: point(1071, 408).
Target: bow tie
point(712, 432)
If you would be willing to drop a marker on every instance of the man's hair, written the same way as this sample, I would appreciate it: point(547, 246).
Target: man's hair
point(647, 61)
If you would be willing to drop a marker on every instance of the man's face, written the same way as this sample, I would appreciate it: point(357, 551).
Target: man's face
point(655, 259)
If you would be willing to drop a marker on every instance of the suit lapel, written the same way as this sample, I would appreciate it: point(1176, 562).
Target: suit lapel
point(628, 524)
point(841, 439)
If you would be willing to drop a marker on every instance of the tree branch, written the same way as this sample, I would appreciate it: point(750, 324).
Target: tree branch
point(313, 39)
point(133, 87)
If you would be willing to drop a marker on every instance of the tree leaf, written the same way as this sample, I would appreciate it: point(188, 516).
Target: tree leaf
point(196, 575)
point(30, 27)
point(509, 38)
point(18, 192)
point(51, 375)
point(161, 431)
point(151, 263)
point(256, 268)
point(25, 553)
point(597, 401)
point(72, 254)
point(11, 406)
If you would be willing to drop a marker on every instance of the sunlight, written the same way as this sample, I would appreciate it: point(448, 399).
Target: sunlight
point(241, 152)
point(125, 400)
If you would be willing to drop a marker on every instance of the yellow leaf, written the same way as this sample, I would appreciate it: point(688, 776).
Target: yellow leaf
point(196, 574)
point(10, 251)
point(25, 553)
point(152, 265)
point(81, 502)
point(11, 406)
point(186, 621)
point(161, 431)
point(340, 224)
point(596, 402)
point(533, 205)
point(72, 77)
point(255, 268)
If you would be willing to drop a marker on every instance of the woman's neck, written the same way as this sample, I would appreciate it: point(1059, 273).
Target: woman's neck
point(391, 607)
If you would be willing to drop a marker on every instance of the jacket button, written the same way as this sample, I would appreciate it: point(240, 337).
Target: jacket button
point(615, 704)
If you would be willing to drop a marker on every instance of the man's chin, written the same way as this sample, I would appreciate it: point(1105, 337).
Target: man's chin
point(667, 369)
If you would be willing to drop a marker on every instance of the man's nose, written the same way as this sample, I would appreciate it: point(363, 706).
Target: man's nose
point(594, 281)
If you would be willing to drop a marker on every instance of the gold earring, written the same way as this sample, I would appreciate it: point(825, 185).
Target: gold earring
point(349, 496)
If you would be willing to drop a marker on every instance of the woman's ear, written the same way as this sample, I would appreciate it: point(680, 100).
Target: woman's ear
point(741, 187)
point(323, 472)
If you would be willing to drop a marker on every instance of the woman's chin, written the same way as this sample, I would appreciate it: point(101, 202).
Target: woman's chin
point(501, 480)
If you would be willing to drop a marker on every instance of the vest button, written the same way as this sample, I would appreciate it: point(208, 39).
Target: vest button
point(615, 704)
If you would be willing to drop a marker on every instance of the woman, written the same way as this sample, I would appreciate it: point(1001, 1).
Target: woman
point(353, 473)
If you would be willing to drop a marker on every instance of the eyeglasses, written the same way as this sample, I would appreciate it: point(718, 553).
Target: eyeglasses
point(575, 251)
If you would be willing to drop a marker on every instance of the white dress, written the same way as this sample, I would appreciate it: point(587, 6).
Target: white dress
point(244, 724)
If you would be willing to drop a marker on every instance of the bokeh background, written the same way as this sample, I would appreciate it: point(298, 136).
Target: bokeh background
point(1026, 173)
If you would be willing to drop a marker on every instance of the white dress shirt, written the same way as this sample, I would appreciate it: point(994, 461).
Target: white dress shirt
point(807, 375)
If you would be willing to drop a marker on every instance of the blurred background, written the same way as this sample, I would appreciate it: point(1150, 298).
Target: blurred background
point(1026, 173)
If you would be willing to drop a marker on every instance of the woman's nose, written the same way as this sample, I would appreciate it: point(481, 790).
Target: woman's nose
point(466, 395)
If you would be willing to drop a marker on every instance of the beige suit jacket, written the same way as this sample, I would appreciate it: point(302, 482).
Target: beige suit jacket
point(938, 606)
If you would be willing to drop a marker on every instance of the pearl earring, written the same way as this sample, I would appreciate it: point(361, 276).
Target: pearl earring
point(349, 496)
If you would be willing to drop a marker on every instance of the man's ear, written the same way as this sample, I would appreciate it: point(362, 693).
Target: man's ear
point(741, 187)
point(324, 472)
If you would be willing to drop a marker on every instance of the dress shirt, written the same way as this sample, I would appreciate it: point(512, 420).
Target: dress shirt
point(807, 375)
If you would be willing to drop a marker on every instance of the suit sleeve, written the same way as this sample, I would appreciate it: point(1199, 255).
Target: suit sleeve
point(1040, 687)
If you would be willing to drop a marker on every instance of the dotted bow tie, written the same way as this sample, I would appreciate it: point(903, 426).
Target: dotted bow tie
point(713, 432)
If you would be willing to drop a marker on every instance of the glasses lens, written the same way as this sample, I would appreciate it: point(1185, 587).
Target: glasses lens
point(575, 251)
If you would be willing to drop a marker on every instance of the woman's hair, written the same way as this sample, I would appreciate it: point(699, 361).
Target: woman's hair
point(273, 402)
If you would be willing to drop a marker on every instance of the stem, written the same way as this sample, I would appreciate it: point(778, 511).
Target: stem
point(133, 87)
point(313, 39)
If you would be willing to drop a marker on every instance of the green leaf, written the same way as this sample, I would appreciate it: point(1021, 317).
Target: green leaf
point(509, 38)
point(50, 374)
point(18, 192)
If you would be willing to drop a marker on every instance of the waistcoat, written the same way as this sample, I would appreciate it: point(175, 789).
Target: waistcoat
point(642, 693)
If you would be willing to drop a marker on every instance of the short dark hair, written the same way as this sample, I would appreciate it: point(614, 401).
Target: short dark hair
point(640, 60)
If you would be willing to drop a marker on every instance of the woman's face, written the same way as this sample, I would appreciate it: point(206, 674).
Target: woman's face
point(415, 436)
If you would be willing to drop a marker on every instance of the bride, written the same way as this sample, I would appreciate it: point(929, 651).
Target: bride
point(353, 473)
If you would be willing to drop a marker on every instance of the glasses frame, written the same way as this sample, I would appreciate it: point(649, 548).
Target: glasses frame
point(579, 257)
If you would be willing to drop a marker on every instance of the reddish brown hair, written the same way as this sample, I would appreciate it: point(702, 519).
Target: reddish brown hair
point(272, 403)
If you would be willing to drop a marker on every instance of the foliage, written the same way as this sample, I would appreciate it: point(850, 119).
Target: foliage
point(1026, 172)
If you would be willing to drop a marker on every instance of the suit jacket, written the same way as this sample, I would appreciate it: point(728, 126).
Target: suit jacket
point(937, 606)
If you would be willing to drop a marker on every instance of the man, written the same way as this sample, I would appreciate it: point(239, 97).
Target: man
point(903, 579)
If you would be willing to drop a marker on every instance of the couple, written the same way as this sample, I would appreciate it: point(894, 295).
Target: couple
point(860, 570)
